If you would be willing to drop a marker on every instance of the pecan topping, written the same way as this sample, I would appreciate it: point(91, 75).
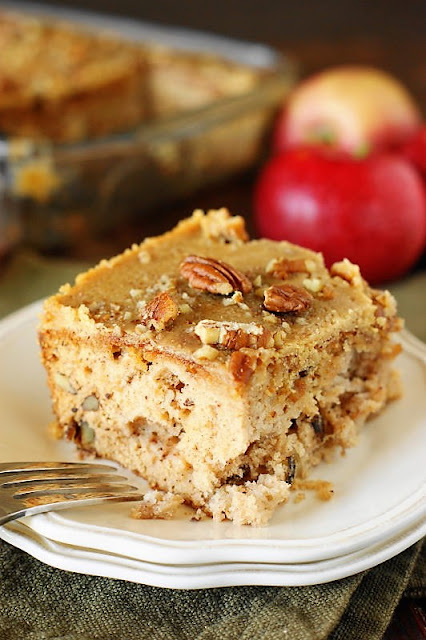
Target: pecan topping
point(162, 310)
point(234, 335)
point(220, 225)
point(347, 271)
point(283, 267)
point(241, 366)
point(285, 298)
point(215, 276)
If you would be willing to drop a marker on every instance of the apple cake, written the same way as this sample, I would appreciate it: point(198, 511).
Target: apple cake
point(218, 368)
point(63, 83)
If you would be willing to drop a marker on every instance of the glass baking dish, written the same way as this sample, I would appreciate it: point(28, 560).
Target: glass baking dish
point(61, 192)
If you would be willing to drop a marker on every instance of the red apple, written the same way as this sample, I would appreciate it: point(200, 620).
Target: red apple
point(415, 150)
point(352, 108)
point(372, 211)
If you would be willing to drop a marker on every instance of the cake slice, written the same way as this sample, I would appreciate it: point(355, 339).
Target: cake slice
point(220, 369)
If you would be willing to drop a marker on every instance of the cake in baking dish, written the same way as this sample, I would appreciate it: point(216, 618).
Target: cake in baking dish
point(64, 83)
point(220, 369)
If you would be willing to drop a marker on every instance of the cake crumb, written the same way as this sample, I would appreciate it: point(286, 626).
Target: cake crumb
point(144, 257)
point(157, 505)
point(198, 515)
point(55, 430)
point(323, 489)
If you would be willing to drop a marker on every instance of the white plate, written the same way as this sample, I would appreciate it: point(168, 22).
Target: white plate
point(88, 561)
point(379, 485)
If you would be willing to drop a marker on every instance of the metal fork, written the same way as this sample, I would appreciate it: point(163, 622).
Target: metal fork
point(27, 488)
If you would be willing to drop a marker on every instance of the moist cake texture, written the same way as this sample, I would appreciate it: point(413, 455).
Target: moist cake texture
point(220, 369)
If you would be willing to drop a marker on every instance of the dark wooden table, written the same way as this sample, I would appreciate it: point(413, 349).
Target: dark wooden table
point(387, 33)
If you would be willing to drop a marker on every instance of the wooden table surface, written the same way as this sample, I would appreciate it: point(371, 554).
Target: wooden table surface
point(387, 33)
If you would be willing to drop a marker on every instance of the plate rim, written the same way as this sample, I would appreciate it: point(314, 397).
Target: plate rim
point(88, 561)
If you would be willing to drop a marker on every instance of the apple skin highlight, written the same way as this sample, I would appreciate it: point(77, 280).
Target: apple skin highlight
point(351, 108)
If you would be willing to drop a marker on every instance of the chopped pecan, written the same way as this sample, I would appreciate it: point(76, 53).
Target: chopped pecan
point(64, 383)
point(283, 267)
point(313, 284)
point(215, 276)
point(234, 335)
point(241, 366)
point(220, 225)
point(90, 403)
point(162, 310)
point(286, 298)
point(347, 271)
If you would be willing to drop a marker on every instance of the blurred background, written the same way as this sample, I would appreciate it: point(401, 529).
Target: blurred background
point(279, 20)
point(318, 33)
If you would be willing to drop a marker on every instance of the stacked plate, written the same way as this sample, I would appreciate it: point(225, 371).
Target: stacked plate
point(377, 511)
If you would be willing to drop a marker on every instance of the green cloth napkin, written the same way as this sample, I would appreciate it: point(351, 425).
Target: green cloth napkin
point(41, 603)
point(38, 602)
point(28, 277)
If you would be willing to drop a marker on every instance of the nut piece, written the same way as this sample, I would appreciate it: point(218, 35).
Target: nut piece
point(90, 403)
point(215, 276)
point(283, 267)
point(234, 335)
point(64, 383)
point(220, 225)
point(206, 352)
point(160, 311)
point(87, 434)
point(313, 284)
point(347, 271)
point(241, 366)
point(286, 298)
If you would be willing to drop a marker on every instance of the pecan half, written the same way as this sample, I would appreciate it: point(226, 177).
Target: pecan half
point(234, 335)
point(215, 276)
point(283, 267)
point(162, 310)
point(286, 298)
point(241, 366)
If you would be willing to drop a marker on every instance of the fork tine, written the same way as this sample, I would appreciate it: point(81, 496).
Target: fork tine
point(22, 488)
point(15, 467)
point(73, 492)
point(27, 488)
point(20, 480)
point(56, 503)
